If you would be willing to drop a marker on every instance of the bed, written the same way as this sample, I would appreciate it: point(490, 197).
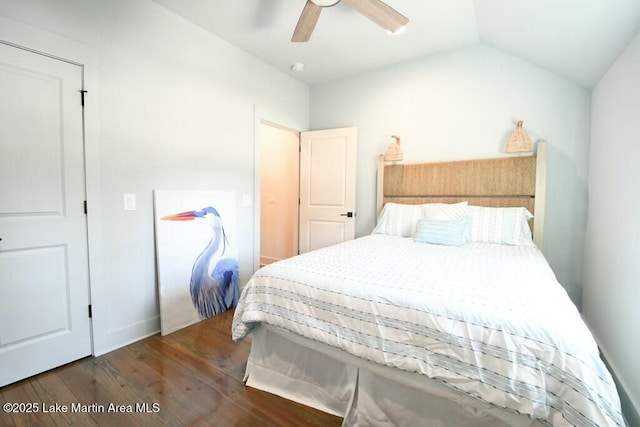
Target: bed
point(447, 314)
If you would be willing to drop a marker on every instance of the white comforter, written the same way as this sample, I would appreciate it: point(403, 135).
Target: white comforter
point(488, 320)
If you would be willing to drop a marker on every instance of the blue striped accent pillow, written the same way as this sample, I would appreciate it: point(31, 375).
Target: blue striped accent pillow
point(450, 233)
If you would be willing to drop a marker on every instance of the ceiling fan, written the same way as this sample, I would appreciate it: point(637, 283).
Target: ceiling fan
point(376, 10)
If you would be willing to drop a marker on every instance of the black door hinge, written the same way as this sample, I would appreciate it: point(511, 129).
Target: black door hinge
point(85, 207)
point(90, 313)
point(82, 93)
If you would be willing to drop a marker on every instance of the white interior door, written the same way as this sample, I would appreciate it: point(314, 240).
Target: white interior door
point(327, 187)
point(44, 281)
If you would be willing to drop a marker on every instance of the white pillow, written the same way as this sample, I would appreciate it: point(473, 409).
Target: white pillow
point(507, 226)
point(444, 211)
point(398, 220)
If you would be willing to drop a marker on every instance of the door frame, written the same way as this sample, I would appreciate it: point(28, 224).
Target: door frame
point(22, 36)
point(259, 117)
point(297, 134)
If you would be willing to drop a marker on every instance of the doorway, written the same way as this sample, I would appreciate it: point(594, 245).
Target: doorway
point(279, 172)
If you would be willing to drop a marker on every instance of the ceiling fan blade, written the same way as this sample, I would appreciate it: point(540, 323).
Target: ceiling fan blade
point(307, 22)
point(380, 13)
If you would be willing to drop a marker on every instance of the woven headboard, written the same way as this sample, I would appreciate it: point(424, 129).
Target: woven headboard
point(500, 182)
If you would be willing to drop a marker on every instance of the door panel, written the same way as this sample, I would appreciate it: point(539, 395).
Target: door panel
point(48, 311)
point(31, 98)
point(327, 170)
point(44, 284)
point(327, 187)
point(326, 233)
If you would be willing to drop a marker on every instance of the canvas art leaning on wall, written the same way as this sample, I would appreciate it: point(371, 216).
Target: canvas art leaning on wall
point(196, 255)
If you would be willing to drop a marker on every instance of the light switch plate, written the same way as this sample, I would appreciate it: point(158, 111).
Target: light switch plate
point(129, 202)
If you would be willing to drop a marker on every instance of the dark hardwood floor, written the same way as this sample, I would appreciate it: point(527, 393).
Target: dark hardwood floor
point(192, 377)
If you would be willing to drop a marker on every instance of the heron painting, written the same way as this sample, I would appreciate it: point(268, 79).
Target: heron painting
point(195, 241)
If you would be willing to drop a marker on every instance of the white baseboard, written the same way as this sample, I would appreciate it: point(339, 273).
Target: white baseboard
point(119, 338)
point(265, 260)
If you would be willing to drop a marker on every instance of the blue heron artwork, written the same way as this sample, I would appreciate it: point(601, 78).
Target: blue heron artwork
point(199, 242)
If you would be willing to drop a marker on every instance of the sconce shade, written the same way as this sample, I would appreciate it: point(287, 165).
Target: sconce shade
point(519, 141)
point(394, 151)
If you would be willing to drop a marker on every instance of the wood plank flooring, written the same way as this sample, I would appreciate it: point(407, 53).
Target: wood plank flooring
point(192, 377)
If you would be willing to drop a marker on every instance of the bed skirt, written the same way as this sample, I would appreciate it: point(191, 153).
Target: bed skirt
point(361, 392)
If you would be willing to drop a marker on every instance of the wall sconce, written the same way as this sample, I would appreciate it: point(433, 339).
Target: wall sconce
point(519, 141)
point(394, 151)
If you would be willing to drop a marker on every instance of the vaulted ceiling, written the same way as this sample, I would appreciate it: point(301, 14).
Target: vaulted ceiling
point(576, 39)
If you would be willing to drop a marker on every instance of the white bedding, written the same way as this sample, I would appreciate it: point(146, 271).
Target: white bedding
point(488, 320)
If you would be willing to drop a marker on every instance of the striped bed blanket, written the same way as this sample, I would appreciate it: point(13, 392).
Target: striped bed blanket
point(488, 320)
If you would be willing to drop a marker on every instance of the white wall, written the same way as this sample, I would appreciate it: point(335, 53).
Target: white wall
point(174, 109)
point(611, 296)
point(464, 105)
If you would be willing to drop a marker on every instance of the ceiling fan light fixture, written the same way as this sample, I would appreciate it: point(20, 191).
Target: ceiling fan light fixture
point(325, 3)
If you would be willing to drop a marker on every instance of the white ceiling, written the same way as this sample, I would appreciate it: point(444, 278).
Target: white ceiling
point(577, 39)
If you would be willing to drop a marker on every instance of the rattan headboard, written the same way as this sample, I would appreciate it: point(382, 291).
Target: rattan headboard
point(502, 182)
